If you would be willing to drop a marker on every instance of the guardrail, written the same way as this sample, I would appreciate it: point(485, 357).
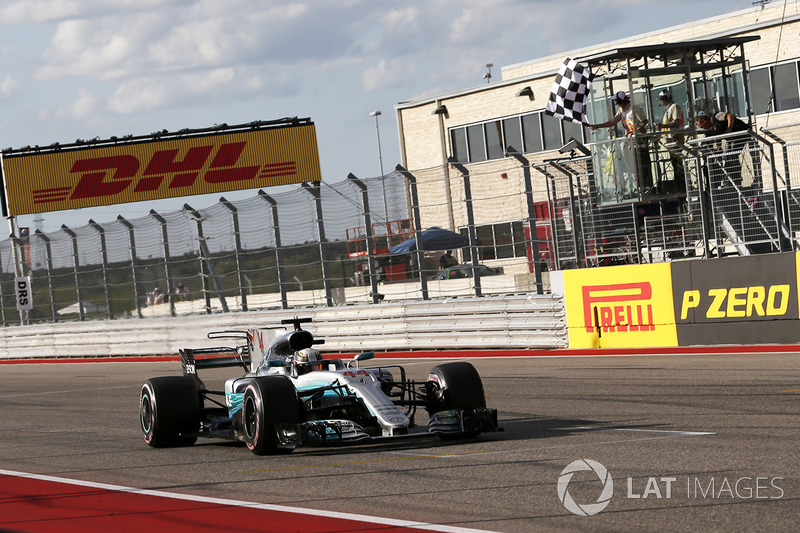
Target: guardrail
point(534, 321)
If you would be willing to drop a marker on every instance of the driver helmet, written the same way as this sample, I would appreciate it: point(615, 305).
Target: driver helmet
point(307, 359)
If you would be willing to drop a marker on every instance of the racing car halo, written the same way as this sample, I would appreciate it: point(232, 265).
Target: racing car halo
point(289, 396)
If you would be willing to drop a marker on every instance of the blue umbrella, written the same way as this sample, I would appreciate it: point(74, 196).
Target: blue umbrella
point(432, 239)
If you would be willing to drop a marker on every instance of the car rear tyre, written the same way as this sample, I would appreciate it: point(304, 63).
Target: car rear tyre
point(456, 386)
point(169, 411)
point(268, 402)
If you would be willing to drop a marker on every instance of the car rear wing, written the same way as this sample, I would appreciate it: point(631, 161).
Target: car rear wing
point(213, 358)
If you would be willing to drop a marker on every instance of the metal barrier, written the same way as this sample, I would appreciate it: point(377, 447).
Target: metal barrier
point(521, 322)
point(741, 198)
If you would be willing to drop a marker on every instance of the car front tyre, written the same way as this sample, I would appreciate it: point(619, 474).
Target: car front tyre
point(268, 402)
point(457, 386)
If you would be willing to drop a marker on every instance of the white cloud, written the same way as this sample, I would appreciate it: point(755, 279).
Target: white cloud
point(139, 95)
point(402, 19)
point(38, 11)
point(384, 74)
point(83, 105)
point(199, 43)
point(89, 48)
point(8, 85)
point(207, 80)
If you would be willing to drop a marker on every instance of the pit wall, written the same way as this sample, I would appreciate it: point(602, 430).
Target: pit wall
point(736, 300)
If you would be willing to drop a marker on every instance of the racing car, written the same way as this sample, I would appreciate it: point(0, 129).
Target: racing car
point(290, 396)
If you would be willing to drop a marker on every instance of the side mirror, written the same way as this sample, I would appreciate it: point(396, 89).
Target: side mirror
point(363, 356)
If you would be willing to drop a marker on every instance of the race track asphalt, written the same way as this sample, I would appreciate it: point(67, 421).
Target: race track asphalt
point(690, 442)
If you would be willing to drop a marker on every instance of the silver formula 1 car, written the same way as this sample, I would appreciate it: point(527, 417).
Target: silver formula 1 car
point(290, 396)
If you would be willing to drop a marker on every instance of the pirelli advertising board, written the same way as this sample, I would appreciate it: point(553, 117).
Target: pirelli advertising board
point(737, 300)
point(157, 169)
point(620, 307)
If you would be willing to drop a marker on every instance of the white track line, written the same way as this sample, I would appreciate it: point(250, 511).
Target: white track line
point(665, 431)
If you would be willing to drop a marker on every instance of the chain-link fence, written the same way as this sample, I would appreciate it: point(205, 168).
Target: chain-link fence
point(262, 252)
point(318, 245)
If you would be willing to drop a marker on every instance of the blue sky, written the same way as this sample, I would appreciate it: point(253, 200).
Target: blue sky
point(74, 69)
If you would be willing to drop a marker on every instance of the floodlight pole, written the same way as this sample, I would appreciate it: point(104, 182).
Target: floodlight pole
point(376, 114)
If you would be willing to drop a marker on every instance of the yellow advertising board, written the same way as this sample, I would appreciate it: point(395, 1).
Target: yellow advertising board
point(621, 306)
point(157, 169)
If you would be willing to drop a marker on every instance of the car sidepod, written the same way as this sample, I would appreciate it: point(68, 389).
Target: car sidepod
point(347, 406)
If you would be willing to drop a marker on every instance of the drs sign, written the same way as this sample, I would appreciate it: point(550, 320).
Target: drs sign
point(24, 295)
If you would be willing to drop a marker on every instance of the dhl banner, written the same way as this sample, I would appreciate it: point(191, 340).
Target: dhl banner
point(738, 300)
point(621, 306)
point(132, 172)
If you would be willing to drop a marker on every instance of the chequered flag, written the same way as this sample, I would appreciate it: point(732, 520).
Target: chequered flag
point(570, 89)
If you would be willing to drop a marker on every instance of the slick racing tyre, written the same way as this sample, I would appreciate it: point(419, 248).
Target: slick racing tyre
point(456, 386)
point(169, 411)
point(268, 401)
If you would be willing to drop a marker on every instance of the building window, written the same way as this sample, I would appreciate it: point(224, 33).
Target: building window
point(494, 140)
point(530, 133)
point(458, 140)
point(761, 91)
point(775, 88)
point(512, 133)
point(476, 144)
point(571, 131)
point(551, 127)
point(503, 240)
point(785, 84)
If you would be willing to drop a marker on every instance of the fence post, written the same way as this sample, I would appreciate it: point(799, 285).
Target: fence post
point(779, 233)
point(473, 240)
point(278, 259)
point(787, 181)
point(373, 275)
point(2, 297)
point(206, 264)
point(412, 185)
point(550, 187)
point(314, 191)
point(165, 248)
point(75, 265)
point(49, 260)
point(526, 176)
point(104, 256)
point(19, 270)
point(237, 253)
point(578, 236)
point(137, 295)
point(702, 194)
